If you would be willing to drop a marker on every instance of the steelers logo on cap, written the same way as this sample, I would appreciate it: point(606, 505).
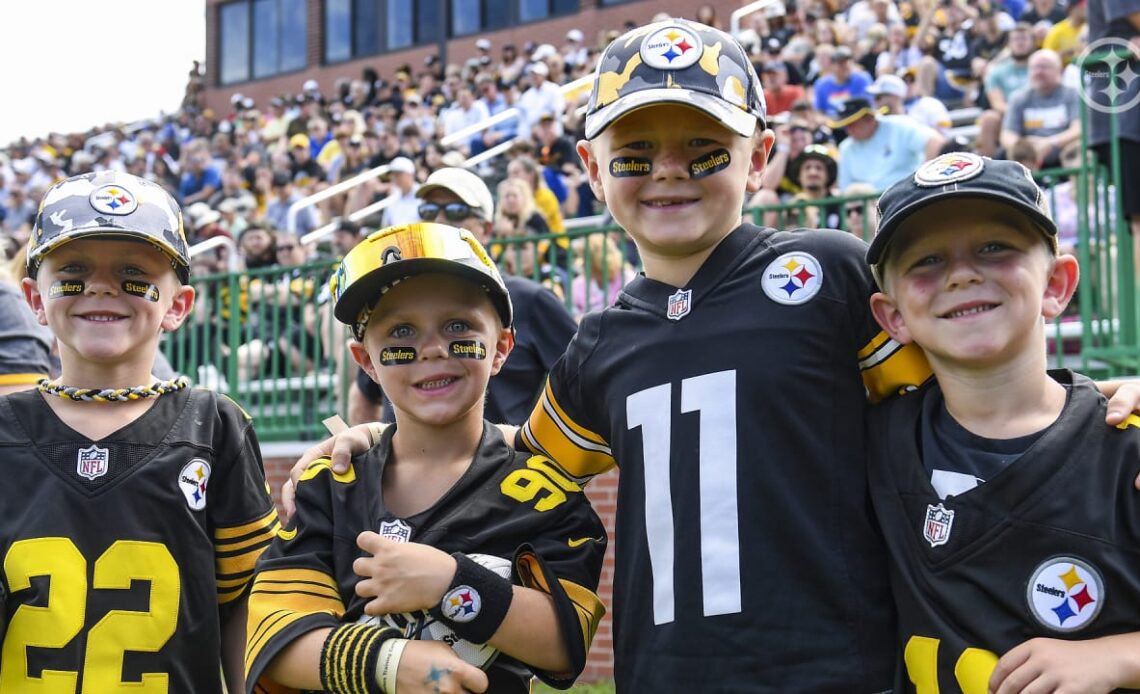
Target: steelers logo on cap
point(113, 199)
point(948, 168)
point(671, 48)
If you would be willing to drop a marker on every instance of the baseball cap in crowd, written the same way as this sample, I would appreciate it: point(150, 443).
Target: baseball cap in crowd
point(960, 175)
point(888, 84)
point(575, 35)
point(236, 98)
point(401, 165)
point(662, 63)
point(539, 68)
point(543, 52)
point(200, 214)
point(842, 53)
point(299, 140)
point(775, 66)
point(281, 178)
point(483, 45)
point(394, 254)
point(467, 186)
point(310, 86)
point(819, 153)
point(852, 110)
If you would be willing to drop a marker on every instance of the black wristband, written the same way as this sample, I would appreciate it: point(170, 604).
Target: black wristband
point(476, 602)
point(349, 658)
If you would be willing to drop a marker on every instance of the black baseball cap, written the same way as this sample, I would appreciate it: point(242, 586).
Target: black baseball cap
point(960, 175)
point(676, 61)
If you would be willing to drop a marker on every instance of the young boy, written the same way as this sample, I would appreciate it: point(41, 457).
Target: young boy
point(1005, 502)
point(133, 509)
point(431, 319)
point(729, 384)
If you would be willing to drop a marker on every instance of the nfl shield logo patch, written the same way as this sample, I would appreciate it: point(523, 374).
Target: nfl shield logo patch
point(396, 530)
point(679, 304)
point(939, 521)
point(92, 462)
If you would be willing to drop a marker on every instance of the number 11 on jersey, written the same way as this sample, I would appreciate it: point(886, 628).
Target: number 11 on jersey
point(713, 398)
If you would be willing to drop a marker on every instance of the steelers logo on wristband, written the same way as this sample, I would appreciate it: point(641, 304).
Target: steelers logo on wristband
point(461, 604)
point(395, 356)
point(468, 349)
point(64, 288)
point(141, 289)
point(710, 163)
point(620, 167)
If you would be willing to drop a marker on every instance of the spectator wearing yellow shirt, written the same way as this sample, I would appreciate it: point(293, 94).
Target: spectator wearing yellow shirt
point(1064, 37)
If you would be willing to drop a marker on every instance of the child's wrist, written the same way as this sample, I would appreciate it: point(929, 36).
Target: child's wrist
point(350, 658)
point(388, 663)
point(476, 602)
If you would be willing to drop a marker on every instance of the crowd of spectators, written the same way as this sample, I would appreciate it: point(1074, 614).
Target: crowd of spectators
point(858, 94)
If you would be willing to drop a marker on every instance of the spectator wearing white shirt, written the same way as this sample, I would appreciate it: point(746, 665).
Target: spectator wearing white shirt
point(893, 94)
point(543, 96)
point(404, 208)
point(465, 112)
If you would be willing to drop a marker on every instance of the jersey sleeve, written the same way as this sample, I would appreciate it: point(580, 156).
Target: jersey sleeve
point(560, 427)
point(566, 563)
point(887, 367)
point(242, 514)
point(295, 588)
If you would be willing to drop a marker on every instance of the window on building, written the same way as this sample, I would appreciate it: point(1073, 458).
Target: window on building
point(533, 10)
point(261, 38)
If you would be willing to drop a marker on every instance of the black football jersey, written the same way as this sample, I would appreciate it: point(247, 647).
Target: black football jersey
point(747, 558)
point(507, 504)
point(1046, 548)
point(122, 557)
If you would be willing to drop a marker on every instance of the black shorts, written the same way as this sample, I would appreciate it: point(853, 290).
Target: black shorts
point(1129, 174)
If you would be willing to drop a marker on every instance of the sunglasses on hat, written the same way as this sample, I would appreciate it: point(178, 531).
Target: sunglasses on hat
point(453, 211)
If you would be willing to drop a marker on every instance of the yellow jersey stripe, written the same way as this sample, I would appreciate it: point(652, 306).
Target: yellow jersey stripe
point(542, 435)
point(573, 428)
point(242, 530)
point(263, 537)
point(589, 607)
point(319, 464)
point(904, 367)
point(876, 342)
point(1129, 421)
point(237, 564)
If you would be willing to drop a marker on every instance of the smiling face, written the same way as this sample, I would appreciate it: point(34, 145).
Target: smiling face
point(672, 216)
point(970, 281)
point(427, 313)
point(88, 292)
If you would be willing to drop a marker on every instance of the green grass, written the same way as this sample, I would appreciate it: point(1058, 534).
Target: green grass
point(591, 688)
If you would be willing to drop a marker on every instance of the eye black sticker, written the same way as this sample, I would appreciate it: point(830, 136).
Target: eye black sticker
point(62, 288)
point(630, 166)
point(710, 163)
point(395, 356)
point(141, 289)
point(468, 349)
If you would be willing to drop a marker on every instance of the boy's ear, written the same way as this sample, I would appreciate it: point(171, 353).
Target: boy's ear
point(761, 148)
point(887, 315)
point(179, 308)
point(503, 347)
point(1060, 286)
point(34, 298)
point(590, 164)
point(361, 356)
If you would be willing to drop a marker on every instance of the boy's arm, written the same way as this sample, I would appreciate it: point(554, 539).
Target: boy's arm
point(1052, 665)
point(233, 645)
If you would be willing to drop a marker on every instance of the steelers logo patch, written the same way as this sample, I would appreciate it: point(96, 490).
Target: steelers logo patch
point(671, 48)
point(193, 480)
point(115, 200)
point(1065, 594)
point(949, 168)
point(461, 604)
point(792, 279)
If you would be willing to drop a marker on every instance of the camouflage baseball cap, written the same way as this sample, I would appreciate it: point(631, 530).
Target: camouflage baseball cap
point(676, 61)
point(109, 204)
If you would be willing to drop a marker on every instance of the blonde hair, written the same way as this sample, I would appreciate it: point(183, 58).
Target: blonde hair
point(600, 248)
point(505, 225)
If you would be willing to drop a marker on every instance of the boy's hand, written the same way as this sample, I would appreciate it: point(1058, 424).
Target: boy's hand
point(1123, 400)
point(401, 576)
point(431, 666)
point(1050, 665)
point(340, 448)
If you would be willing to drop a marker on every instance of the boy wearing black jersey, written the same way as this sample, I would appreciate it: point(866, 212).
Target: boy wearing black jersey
point(1005, 502)
point(132, 514)
point(431, 318)
point(729, 384)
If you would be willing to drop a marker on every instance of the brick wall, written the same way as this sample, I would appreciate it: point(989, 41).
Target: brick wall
point(603, 494)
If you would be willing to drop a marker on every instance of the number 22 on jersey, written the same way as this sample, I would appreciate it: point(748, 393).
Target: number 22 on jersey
point(713, 397)
point(55, 624)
